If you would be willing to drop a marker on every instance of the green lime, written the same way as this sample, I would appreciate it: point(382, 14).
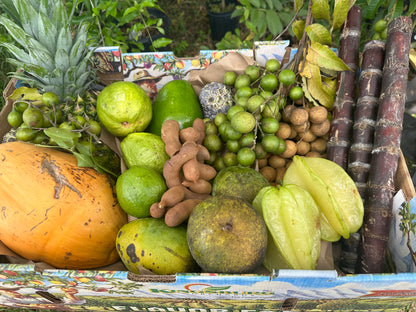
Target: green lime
point(213, 142)
point(67, 125)
point(383, 34)
point(287, 77)
point(233, 110)
point(220, 118)
point(20, 106)
point(248, 139)
point(14, 118)
point(242, 80)
point(229, 78)
point(230, 159)
point(259, 150)
point(79, 121)
point(242, 101)
point(124, 107)
point(210, 128)
point(246, 156)
point(219, 164)
point(243, 122)
point(254, 103)
point(138, 188)
point(93, 127)
point(40, 138)
point(295, 93)
point(282, 146)
point(233, 145)
point(50, 99)
point(252, 71)
point(227, 132)
point(270, 143)
point(33, 117)
point(144, 149)
point(380, 25)
point(269, 82)
point(271, 109)
point(266, 94)
point(272, 65)
point(25, 134)
point(269, 125)
point(245, 92)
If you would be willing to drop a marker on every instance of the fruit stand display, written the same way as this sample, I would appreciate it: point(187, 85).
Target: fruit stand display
point(215, 183)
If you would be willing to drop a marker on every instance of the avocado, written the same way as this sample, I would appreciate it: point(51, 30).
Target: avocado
point(175, 100)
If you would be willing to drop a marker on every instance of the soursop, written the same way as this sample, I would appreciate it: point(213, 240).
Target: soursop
point(215, 97)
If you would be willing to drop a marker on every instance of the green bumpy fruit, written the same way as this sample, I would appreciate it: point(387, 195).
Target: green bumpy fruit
point(292, 218)
point(176, 100)
point(333, 190)
point(149, 244)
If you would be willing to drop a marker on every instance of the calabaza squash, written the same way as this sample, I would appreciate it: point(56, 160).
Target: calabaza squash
point(54, 211)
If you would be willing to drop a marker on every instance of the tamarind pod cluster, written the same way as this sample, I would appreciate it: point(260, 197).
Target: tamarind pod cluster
point(187, 176)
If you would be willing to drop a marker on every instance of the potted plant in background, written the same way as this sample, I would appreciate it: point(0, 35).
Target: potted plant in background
point(134, 26)
point(220, 13)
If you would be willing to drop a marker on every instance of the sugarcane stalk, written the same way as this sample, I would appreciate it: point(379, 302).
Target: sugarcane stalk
point(343, 112)
point(365, 114)
point(369, 89)
point(386, 148)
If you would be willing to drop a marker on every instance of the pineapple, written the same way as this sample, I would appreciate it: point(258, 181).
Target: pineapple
point(52, 55)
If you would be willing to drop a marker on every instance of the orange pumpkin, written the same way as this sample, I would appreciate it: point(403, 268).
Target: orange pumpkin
point(53, 211)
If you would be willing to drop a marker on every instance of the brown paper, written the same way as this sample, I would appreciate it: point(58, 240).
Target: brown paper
point(232, 62)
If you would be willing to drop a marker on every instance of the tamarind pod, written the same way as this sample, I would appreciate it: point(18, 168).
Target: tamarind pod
point(341, 125)
point(180, 212)
point(173, 166)
point(193, 195)
point(156, 211)
point(191, 170)
point(189, 135)
point(200, 186)
point(386, 147)
point(207, 172)
point(369, 88)
point(199, 125)
point(203, 153)
point(169, 134)
point(172, 196)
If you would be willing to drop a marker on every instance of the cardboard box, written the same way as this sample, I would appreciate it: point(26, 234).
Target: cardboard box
point(32, 285)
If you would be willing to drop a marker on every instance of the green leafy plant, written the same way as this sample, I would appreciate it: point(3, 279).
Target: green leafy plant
point(122, 23)
point(235, 41)
point(265, 19)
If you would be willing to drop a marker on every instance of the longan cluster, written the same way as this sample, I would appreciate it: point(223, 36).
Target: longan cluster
point(305, 132)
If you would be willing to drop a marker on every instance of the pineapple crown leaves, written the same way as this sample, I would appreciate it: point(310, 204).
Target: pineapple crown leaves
point(50, 56)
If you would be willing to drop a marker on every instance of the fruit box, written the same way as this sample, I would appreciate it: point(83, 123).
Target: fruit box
point(28, 285)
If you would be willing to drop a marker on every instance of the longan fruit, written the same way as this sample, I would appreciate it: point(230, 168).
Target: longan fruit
point(284, 131)
point(262, 162)
point(307, 136)
point(277, 161)
point(318, 114)
point(313, 154)
point(320, 129)
point(290, 150)
point(302, 128)
point(269, 173)
point(293, 132)
point(319, 145)
point(299, 116)
point(287, 111)
point(280, 173)
point(303, 148)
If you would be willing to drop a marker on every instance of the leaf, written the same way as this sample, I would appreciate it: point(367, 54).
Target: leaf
point(26, 94)
point(316, 90)
point(340, 13)
point(46, 30)
point(65, 138)
point(274, 24)
point(323, 56)
point(85, 161)
point(298, 28)
point(305, 69)
point(162, 42)
point(319, 33)
point(298, 5)
point(320, 10)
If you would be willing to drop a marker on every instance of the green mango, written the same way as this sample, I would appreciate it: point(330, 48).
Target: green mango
point(176, 100)
point(150, 244)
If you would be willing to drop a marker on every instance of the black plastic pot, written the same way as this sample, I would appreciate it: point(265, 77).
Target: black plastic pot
point(221, 23)
point(147, 44)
